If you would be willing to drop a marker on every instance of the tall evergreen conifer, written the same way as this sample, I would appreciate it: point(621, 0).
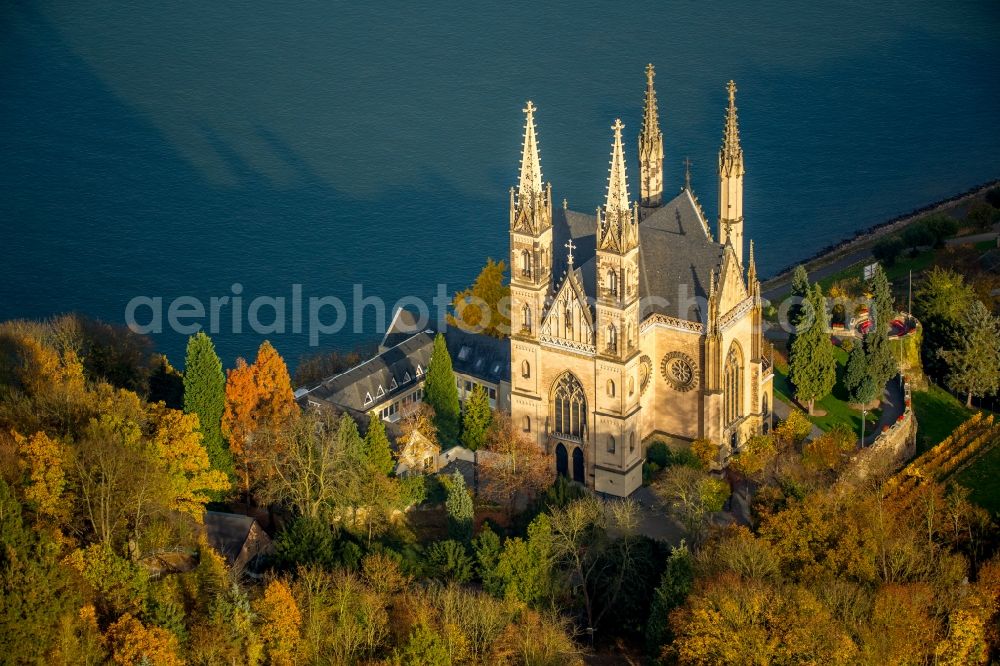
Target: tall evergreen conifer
point(460, 508)
point(974, 366)
point(476, 419)
point(813, 364)
point(205, 395)
point(800, 292)
point(881, 362)
point(441, 393)
point(376, 447)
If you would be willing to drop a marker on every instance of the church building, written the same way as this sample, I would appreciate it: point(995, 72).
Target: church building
point(634, 322)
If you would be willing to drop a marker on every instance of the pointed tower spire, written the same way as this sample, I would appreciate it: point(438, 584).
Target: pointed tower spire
point(530, 181)
point(617, 223)
point(753, 285)
point(731, 139)
point(651, 147)
point(617, 182)
point(731, 173)
point(531, 210)
point(687, 174)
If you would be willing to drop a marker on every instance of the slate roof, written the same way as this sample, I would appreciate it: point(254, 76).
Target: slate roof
point(481, 356)
point(675, 252)
point(227, 533)
point(392, 372)
point(402, 326)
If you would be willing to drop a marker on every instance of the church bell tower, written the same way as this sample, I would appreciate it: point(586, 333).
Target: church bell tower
point(530, 238)
point(731, 181)
point(618, 449)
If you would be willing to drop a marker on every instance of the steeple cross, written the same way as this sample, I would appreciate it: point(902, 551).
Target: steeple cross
point(569, 246)
point(530, 108)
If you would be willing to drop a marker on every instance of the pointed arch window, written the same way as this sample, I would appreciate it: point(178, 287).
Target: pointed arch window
point(568, 320)
point(525, 263)
point(612, 339)
point(611, 388)
point(732, 383)
point(569, 407)
point(525, 369)
point(612, 283)
point(631, 442)
point(526, 424)
point(526, 318)
point(611, 444)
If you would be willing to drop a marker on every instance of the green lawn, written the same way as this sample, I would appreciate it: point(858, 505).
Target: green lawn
point(835, 405)
point(938, 414)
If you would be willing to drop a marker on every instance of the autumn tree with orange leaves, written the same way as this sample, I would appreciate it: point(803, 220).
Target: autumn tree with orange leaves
point(280, 622)
point(512, 465)
point(259, 401)
point(133, 643)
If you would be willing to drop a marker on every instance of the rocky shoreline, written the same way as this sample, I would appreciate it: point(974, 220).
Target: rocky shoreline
point(867, 237)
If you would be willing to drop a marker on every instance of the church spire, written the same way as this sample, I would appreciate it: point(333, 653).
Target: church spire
point(531, 209)
point(530, 182)
point(731, 153)
point(651, 147)
point(731, 173)
point(617, 182)
point(617, 231)
point(753, 285)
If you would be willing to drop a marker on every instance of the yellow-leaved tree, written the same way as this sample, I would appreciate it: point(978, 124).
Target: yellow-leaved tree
point(43, 459)
point(182, 455)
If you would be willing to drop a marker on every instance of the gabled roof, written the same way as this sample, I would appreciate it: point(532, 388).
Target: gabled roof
point(676, 252)
point(227, 534)
point(478, 355)
point(399, 368)
point(574, 284)
point(368, 384)
point(732, 287)
point(403, 326)
point(676, 256)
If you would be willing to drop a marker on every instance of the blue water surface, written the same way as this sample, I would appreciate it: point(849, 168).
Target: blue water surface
point(174, 149)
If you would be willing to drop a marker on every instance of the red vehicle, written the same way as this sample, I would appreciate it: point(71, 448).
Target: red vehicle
point(864, 326)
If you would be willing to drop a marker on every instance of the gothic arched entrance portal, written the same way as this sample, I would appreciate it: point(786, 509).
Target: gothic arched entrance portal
point(578, 465)
point(562, 462)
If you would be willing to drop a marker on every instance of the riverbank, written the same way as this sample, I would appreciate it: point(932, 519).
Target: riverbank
point(857, 248)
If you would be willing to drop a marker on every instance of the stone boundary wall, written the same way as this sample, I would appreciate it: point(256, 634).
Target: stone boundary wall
point(896, 444)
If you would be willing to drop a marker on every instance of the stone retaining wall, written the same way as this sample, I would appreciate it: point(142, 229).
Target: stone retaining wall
point(894, 446)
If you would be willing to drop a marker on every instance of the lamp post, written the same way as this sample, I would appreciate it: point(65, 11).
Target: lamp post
point(863, 413)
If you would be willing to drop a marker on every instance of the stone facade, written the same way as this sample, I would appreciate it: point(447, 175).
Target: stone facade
point(650, 329)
